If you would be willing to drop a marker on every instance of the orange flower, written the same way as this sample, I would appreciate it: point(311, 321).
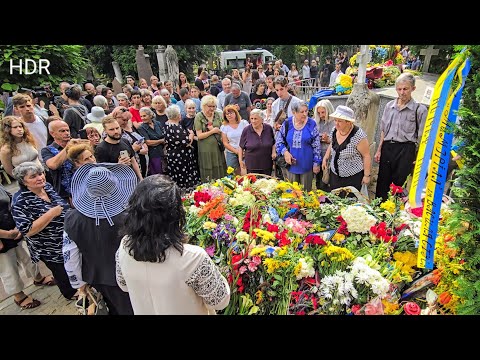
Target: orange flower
point(444, 298)
point(210, 205)
point(217, 213)
point(437, 275)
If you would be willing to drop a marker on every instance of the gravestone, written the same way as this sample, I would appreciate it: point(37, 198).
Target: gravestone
point(428, 52)
point(162, 73)
point(362, 100)
point(117, 82)
point(144, 69)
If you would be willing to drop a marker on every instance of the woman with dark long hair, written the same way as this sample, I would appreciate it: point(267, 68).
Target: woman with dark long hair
point(161, 272)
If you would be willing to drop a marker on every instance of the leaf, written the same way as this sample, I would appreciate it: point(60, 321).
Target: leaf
point(278, 277)
point(7, 87)
point(270, 292)
point(275, 283)
point(253, 310)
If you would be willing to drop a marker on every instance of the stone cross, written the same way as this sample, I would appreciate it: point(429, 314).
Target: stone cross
point(428, 52)
point(162, 74)
point(363, 60)
point(118, 80)
point(118, 71)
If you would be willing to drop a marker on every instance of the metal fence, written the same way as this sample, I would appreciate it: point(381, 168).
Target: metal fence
point(304, 89)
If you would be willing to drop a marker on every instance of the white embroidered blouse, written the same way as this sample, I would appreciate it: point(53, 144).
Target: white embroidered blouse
point(188, 284)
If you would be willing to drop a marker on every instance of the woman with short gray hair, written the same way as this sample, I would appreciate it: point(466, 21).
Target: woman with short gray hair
point(39, 213)
point(182, 165)
point(257, 145)
point(154, 136)
point(299, 142)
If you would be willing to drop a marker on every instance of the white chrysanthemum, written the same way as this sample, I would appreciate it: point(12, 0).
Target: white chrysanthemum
point(307, 269)
point(242, 236)
point(267, 218)
point(193, 209)
point(267, 186)
point(358, 220)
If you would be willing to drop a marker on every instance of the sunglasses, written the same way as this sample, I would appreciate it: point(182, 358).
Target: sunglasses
point(123, 109)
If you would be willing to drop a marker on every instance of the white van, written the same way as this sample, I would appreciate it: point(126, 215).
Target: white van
point(237, 59)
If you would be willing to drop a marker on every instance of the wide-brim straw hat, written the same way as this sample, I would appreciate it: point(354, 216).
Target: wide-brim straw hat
point(343, 112)
point(101, 191)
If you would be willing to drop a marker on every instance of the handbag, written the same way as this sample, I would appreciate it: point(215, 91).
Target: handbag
point(220, 143)
point(364, 191)
point(91, 304)
point(326, 175)
point(280, 160)
point(221, 147)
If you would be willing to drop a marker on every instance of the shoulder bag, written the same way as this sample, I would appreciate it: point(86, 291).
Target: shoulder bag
point(92, 304)
point(217, 137)
point(283, 113)
point(280, 161)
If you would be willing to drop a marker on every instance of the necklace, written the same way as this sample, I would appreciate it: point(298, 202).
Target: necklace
point(346, 132)
point(298, 125)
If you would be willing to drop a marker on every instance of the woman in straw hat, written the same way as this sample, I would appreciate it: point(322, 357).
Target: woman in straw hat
point(350, 161)
point(100, 193)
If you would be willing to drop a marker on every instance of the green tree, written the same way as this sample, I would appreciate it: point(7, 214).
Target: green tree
point(465, 222)
point(66, 64)
point(101, 57)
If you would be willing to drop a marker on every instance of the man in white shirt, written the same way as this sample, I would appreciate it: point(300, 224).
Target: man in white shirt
point(281, 88)
point(226, 86)
point(334, 74)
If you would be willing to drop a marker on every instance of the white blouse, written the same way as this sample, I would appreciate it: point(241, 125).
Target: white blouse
point(188, 284)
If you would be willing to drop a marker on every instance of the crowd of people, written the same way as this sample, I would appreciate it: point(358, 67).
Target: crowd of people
point(102, 158)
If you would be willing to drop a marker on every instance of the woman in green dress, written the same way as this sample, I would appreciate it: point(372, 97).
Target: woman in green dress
point(211, 159)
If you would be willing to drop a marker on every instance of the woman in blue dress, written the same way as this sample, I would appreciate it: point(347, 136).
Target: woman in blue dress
point(299, 142)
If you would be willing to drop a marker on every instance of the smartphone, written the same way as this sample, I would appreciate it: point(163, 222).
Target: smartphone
point(124, 153)
point(140, 141)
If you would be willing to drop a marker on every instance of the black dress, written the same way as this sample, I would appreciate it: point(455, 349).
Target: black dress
point(182, 165)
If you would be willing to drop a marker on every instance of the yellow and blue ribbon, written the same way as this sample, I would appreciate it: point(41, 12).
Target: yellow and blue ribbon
point(435, 148)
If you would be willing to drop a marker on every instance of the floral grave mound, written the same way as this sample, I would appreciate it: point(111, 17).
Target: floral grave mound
point(285, 251)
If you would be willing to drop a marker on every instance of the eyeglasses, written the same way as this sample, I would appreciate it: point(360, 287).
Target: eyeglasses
point(123, 109)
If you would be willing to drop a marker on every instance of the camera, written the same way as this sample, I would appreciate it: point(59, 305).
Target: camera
point(43, 93)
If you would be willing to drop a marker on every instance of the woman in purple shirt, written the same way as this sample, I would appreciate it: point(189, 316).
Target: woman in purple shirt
point(257, 145)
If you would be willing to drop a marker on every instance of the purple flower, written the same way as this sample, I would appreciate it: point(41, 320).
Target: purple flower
point(210, 250)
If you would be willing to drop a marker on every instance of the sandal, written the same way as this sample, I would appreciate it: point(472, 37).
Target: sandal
point(51, 282)
point(33, 304)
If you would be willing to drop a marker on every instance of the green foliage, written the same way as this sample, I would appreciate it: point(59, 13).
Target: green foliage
point(466, 219)
point(101, 57)
point(66, 63)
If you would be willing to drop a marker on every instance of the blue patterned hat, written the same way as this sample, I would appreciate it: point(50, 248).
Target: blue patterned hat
point(101, 191)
